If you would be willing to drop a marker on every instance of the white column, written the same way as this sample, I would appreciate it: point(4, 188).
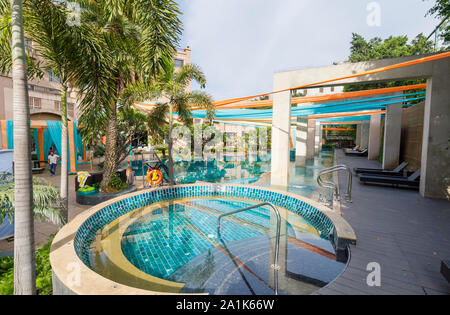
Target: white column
point(311, 138)
point(281, 129)
point(317, 138)
point(320, 137)
point(392, 134)
point(300, 147)
point(364, 136)
point(358, 135)
point(435, 170)
point(374, 137)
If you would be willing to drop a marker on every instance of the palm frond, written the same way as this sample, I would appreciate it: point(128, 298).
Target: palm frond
point(45, 198)
point(203, 100)
point(156, 120)
point(190, 72)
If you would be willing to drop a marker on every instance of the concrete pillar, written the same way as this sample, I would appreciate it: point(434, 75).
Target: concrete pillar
point(358, 135)
point(317, 138)
point(310, 139)
point(435, 169)
point(281, 129)
point(300, 146)
point(374, 137)
point(320, 137)
point(364, 136)
point(392, 134)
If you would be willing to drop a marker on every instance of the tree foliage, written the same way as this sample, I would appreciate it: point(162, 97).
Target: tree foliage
point(392, 47)
point(441, 10)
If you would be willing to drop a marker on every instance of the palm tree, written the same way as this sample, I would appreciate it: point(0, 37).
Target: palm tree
point(172, 86)
point(24, 266)
point(59, 45)
point(140, 39)
point(45, 200)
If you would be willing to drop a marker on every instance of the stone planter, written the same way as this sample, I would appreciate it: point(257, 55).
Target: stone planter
point(96, 199)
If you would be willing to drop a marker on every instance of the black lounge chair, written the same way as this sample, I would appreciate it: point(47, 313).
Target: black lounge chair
point(412, 181)
point(6, 230)
point(445, 269)
point(356, 152)
point(379, 171)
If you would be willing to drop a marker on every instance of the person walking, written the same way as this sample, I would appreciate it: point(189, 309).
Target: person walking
point(53, 162)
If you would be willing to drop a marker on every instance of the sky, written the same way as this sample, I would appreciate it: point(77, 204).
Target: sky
point(240, 44)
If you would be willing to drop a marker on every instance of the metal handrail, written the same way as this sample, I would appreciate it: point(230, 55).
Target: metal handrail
point(275, 265)
point(331, 185)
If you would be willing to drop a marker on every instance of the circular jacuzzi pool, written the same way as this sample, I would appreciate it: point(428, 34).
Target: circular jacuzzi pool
point(166, 241)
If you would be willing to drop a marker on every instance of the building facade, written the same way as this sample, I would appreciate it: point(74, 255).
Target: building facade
point(45, 95)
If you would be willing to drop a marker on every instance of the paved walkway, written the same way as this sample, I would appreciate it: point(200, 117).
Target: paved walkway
point(406, 234)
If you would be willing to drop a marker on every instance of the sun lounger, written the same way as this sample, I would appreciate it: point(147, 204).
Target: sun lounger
point(445, 269)
point(413, 181)
point(6, 230)
point(375, 171)
point(356, 152)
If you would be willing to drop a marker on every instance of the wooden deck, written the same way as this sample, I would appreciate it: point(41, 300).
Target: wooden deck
point(406, 234)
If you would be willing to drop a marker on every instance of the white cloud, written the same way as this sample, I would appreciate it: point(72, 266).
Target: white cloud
point(241, 43)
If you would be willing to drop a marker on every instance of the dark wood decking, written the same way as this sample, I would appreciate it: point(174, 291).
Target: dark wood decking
point(406, 234)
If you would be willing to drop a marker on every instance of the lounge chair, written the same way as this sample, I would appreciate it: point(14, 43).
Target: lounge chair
point(6, 230)
point(379, 171)
point(356, 152)
point(445, 269)
point(412, 181)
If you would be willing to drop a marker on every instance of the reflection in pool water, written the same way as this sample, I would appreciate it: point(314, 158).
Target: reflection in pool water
point(250, 170)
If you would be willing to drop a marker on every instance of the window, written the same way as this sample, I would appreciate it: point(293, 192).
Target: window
point(332, 89)
point(52, 77)
point(58, 105)
point(305, 92)
point(178, 63)
point(34, 102)
point(321, 90)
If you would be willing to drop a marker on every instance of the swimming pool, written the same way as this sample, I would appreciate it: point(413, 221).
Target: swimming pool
point(244, 169)
point(165, 240)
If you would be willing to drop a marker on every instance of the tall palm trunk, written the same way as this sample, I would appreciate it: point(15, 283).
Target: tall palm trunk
point(110, 148)
point(170, 147)
point(64, 193)
point(24, 261)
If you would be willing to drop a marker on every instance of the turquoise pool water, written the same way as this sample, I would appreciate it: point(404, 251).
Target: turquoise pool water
point(177, 241)
point(243, 170)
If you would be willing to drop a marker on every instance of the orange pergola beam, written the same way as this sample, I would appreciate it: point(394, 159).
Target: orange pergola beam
point(356, 75)
point(341, 122)
point(327, 97)
point(338, 129)
point(350, 114)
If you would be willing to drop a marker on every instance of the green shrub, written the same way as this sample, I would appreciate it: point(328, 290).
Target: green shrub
point(43, 272)
point(117, 183)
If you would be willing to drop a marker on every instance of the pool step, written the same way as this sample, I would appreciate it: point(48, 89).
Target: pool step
point(207, 271)
point(244, 269)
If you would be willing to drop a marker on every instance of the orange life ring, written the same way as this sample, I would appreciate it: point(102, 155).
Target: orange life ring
point(154, 177)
